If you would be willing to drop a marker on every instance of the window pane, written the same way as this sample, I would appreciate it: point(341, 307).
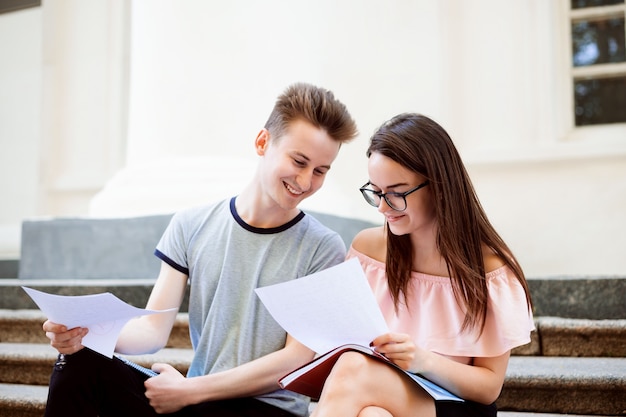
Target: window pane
point(598, 42)
point(600, 101)
point(13, 5)
point(579, 4)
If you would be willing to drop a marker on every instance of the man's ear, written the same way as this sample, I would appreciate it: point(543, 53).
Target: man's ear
point(262, 141)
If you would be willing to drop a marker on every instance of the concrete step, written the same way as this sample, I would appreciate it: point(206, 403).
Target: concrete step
point(18, 400)
point(533, 384)
point(554, 336)
point(24, 326)
point(31, 363)
point(30, 401)
point(565, 385)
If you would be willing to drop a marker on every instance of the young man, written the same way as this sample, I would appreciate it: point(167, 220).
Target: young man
point(225, 251)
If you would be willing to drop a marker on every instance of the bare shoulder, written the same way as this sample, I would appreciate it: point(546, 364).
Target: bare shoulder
point(371, 242)
point(491, 260)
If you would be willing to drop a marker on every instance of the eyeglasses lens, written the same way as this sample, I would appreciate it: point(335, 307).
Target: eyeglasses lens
point(371, 197)
point(394, 201)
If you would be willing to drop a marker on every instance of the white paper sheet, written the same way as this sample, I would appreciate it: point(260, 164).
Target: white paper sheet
point(103, 314)
point(327, 309)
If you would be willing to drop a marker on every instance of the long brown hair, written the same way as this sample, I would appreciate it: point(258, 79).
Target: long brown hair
point(423, 146)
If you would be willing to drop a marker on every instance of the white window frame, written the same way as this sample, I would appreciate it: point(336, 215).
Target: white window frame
point(604, 138)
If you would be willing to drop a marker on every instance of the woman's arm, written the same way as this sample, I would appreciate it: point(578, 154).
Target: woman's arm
point(480, 381)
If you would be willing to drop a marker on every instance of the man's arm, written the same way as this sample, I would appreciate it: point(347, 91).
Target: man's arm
point(170, 391)
point(147, 334)
point(142, 335)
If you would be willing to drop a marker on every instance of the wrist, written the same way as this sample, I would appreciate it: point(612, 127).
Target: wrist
point(422, 364)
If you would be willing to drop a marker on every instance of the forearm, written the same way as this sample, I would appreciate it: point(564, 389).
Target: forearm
point(146, 334)
point(253, 378)
point(149, 333)
point(481, 381)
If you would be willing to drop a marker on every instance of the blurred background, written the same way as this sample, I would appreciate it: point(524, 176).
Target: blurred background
point(128, 108)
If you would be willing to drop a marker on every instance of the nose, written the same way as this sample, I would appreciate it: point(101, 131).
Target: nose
point(304, 180)
point(383, 206)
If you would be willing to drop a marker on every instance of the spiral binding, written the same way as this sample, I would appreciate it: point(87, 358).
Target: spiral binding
point(148, 372)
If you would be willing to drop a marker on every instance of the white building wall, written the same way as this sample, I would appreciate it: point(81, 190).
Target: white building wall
point(20, 122)
point(154, 106)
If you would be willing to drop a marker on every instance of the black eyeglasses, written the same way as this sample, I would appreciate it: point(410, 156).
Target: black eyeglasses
point(396, 201)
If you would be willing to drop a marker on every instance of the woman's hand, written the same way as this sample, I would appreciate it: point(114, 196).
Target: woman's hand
point(399, 348)
point(64, 340)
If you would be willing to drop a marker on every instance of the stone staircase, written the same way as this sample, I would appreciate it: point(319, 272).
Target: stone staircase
point(574, 365)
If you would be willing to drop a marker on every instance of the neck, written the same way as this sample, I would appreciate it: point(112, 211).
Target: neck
point(258, 210)
point(426, 256)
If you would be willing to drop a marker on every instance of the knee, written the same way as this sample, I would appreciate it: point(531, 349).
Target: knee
point(348, 368)
point(372, 411)
point(351, 363)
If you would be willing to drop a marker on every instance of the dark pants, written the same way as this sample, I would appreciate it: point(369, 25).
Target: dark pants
point(464, 409)
point(91, 385)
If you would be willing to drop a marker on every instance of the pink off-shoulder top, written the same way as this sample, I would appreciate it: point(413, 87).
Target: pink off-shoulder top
point(434, 318)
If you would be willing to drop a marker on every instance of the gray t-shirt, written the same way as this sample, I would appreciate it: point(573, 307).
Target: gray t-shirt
point(226, 259)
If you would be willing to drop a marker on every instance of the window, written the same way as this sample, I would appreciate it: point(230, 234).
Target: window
point(13, 5)
point(598, 35)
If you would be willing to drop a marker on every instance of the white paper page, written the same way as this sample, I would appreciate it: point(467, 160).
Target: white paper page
point(103, 314)
point(327, 309)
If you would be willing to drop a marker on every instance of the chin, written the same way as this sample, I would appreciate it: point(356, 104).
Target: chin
point(397, 230)
point(290, 203)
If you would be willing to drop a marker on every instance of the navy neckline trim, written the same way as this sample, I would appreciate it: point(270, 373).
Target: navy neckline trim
point(260, 230)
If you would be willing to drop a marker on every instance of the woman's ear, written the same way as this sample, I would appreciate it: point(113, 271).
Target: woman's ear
point(262, 141)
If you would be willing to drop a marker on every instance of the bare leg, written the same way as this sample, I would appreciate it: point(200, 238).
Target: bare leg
point(374, 412)
point(359, 386)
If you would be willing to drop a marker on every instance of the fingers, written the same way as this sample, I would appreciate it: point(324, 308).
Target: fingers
point(397, 347)
point(64, 340)
point(163, 367)
point(49, 326)
point(390, 338)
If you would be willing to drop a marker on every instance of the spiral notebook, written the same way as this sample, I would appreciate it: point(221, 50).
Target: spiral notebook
point(148, 372)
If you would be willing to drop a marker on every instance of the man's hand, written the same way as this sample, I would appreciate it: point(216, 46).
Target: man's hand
point(166, 391)
point(64, 340)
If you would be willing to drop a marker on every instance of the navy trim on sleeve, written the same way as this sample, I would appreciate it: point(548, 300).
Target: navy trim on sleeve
point(171, 263)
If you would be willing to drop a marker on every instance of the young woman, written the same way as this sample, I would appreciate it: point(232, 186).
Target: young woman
point(451, 291)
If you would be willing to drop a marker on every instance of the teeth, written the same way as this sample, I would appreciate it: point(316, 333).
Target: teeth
point(291, 190)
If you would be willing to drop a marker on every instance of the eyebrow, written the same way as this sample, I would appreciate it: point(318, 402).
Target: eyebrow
point(400, 184)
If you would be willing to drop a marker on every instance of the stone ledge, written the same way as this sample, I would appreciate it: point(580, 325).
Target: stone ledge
point(55, 249)
point(133, 291)
point(24, 326)
point(579, 337)
point(538, 384)
point(591, 299)
point(30, 401)
point(554, 336)
point(122, 247)
point(18, 400)
point(594, 298)
point(565, 385)
point(31, 363)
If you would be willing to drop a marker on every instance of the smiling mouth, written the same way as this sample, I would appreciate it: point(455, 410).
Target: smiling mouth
point(394, 218)
point(292, 190)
